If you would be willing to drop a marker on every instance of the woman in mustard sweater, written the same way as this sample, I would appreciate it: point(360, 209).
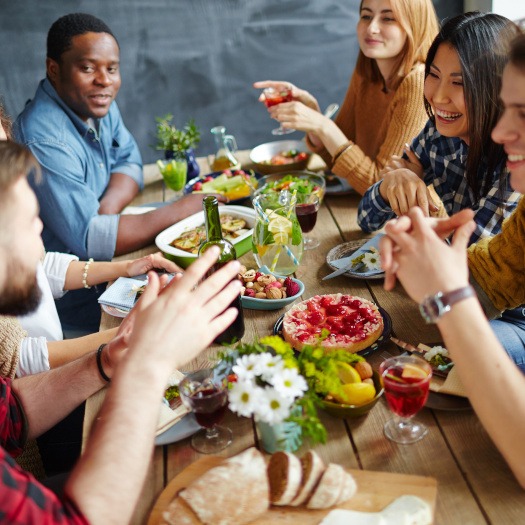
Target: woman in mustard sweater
point(414, 253)
point(383, 107)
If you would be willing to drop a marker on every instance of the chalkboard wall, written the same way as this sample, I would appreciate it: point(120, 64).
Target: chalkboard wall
point(197, 58)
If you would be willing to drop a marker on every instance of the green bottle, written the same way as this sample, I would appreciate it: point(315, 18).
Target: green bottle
point(214, 238)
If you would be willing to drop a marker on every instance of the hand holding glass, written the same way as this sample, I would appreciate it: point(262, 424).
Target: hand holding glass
point(406, 380)
point(272, 97)
point(207, 396)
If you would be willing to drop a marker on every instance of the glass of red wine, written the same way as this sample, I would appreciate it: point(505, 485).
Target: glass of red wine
point(272, 97)
point(206, 394)
point(406, 380)
point(306, 210)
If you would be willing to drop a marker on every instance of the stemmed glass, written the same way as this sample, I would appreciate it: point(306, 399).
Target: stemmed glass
point(406, 380)
point(206, 394)
point(306, 210)
point(272, 97)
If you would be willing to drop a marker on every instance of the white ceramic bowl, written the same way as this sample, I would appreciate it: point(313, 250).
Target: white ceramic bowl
point(242, 244)
point(264, 152)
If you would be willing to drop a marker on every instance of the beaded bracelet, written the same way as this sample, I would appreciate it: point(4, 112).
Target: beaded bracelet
point(103, 374)
point(84, 275)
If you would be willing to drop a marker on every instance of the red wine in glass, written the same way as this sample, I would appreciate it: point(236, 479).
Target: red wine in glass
point(306, 210)
point(406, 380)
point(209, 405)
point(273, 97)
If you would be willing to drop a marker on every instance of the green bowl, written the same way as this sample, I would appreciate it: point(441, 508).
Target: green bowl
point(315, 178)
point(342, 411)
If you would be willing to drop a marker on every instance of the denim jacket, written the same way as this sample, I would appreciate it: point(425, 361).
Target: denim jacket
point(77, 161)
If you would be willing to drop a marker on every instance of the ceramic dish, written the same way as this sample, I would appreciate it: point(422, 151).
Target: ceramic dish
point(345, 250)
point(189, 186)
point(242, 244)
point(337, 185)
point(317, 180)
point(265, 152)
point(113, 311)
point(186, 427)
point(341, 410)
point(384, 337)
point(253, 303)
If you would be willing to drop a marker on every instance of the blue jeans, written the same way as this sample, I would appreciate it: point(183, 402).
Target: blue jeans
point(510, 330)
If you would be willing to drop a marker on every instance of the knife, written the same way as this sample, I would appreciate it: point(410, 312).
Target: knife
point(344, 269)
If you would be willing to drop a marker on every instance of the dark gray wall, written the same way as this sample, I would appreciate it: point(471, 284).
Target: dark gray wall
point(197, 58)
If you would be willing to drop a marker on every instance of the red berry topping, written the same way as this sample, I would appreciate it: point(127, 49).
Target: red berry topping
point(197, 186)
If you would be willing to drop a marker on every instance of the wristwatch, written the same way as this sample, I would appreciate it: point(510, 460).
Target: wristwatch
point(435, 306)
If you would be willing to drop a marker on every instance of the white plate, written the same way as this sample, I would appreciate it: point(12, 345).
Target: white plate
point(115, 312)
point(186, 427)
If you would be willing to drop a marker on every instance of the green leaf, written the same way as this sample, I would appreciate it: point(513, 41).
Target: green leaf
point(296, 233)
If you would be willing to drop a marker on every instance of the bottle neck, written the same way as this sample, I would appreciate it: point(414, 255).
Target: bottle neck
point(212, 219)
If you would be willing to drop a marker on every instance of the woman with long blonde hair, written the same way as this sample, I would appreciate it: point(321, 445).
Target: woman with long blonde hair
point(383, 107)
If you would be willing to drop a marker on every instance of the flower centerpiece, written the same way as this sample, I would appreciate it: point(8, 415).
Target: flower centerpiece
point(178, 145)
point(281, 390)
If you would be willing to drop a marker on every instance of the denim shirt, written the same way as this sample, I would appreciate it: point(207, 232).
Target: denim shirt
point(77, 161)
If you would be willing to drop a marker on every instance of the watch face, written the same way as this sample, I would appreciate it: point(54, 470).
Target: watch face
point(432, 308)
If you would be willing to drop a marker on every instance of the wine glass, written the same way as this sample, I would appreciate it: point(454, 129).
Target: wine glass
point(306, 210)
point(406, 380)
point(174, 172)
point(206, 394)
point(272, 97)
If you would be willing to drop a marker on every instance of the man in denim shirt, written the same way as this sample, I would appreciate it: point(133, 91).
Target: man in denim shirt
point(91, 164)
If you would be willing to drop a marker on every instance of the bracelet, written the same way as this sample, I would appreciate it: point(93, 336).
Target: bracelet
point(84, 275)
point(103, 374)
point(343, 149)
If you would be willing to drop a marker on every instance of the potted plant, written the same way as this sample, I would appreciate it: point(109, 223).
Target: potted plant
point(178, 145)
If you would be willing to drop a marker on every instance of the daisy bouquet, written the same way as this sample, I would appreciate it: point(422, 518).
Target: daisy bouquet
point(266, 383)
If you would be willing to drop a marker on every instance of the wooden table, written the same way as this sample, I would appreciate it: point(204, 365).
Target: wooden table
point(475, 486)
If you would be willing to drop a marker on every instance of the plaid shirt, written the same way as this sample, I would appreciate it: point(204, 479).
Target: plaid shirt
point(443, 160)
point(22, 499)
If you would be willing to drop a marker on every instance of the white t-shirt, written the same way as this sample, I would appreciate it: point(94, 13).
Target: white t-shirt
point(43, 324)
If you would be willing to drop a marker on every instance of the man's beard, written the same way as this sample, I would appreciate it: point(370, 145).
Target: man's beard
point(21, 294)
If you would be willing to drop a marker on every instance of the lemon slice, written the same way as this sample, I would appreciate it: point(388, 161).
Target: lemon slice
point(356, 394)
point(280, 224)
point(413, 371)
point(280, 238)
point(347, 373)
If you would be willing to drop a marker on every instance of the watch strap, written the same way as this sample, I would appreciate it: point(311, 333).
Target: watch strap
point(435, 306)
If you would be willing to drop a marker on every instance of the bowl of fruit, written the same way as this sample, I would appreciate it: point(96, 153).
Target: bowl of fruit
point(357, 391)
point(306, 182)
point(236, 185)
point(280, 156)
point(264, 290)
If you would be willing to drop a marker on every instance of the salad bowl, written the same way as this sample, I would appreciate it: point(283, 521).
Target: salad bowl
point(302, 181)
point(280, 156)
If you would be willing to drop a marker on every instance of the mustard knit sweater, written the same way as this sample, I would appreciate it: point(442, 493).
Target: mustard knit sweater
point(11, 335)
point(497, 264)
point(379, 124)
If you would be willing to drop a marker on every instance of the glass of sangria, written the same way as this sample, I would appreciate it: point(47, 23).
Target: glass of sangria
point(272, 97)
point(206, 395)
point(306, 210)
point(406, 380)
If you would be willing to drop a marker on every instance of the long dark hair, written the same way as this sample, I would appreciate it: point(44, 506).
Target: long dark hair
point(482, 42)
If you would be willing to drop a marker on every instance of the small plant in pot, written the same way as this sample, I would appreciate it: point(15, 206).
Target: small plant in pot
point(178, 146)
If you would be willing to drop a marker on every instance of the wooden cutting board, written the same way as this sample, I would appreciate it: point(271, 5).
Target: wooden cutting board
point(375, 491)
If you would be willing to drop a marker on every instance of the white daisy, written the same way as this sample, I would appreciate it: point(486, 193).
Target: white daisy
point(372, 260)
point(273, 407)
point(269, 367)
point(247, 367)
point(290, 383)
point(243, 396)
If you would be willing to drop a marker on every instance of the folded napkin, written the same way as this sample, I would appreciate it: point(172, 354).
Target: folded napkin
point(450, 385)
point(120, 294)
point(168, 417)
point(345, 261)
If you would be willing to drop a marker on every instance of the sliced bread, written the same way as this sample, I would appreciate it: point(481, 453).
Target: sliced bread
point(284, 475)
point(312, 470)
point(179, 513)
point(348, 488)
point(327, 491)
point(234, 493)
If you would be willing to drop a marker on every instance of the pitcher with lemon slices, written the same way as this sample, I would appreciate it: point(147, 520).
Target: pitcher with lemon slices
point(277, 237)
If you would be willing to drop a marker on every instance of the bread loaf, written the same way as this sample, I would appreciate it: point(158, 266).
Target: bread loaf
point(348, 488)
point(179, 513)
point(328, 490)
point(234, 493)
point(312, 470)
point(284, 476)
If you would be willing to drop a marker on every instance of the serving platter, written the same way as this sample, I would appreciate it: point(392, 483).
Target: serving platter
point(375, 490)
point(384, 337)
point(346, 249)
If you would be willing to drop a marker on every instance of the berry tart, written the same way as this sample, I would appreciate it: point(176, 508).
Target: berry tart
point(353, 323)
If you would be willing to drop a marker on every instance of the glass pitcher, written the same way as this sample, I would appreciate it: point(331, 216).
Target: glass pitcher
point(225, 147)
point(277, 237)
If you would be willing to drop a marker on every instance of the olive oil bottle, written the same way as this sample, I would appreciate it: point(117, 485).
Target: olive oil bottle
point(214, 238)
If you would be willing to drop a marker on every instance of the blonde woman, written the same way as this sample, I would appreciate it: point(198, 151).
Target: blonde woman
point(383, 107)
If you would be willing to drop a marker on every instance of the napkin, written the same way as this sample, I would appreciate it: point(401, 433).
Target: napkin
point(450, 385)
point(345, 261)
point(120, 294)
point(168, 417)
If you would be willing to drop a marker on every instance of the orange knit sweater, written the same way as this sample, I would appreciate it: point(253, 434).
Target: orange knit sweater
point(379, 124)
